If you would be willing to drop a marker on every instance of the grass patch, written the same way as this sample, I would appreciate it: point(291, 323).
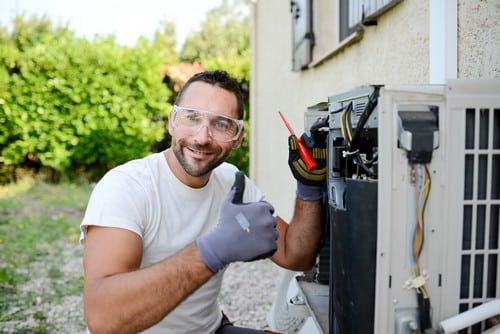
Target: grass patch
point(39, 222)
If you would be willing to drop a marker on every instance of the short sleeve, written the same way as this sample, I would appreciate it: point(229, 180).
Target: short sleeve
point(117, 200)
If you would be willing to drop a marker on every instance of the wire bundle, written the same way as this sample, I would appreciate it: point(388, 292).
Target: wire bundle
point(422, 181)
point(353, 138)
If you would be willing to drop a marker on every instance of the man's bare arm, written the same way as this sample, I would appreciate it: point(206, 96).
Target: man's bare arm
point(299, 241)
point(121, 298)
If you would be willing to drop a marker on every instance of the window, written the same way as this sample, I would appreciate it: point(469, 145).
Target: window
point(320, 28)
point(345, 29)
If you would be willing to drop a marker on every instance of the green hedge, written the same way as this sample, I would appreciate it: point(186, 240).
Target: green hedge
point(70, 104)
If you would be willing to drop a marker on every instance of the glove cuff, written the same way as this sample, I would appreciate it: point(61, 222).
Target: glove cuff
point(207, 254)
point(309, 193)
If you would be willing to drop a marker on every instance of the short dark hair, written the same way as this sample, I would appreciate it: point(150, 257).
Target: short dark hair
point(220, 79)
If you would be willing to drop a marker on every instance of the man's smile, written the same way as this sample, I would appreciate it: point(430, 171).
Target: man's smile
point(197, 153)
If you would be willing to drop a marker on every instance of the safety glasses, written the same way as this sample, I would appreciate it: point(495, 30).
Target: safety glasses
point(220, 127)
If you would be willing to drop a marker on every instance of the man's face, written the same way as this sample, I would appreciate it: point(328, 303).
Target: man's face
point(197, 154)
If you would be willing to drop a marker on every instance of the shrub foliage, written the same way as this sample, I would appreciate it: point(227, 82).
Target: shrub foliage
point(70, 104)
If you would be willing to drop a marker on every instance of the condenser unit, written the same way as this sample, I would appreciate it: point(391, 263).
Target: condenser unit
point(413, 198)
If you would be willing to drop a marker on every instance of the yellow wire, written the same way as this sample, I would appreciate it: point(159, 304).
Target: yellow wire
point(348, 122)
point(342, 126)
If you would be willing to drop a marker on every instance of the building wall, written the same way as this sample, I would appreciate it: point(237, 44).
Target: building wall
point(396, 50)
point(479, 39)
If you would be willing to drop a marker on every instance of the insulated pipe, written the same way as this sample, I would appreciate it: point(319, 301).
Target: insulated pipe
point(470, 317)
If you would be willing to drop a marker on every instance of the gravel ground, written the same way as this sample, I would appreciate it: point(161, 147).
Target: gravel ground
point(247, 293)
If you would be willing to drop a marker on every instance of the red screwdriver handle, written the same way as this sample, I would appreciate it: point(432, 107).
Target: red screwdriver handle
point(304, 153)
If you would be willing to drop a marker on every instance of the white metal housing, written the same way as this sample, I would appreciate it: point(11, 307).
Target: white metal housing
point(461, 249)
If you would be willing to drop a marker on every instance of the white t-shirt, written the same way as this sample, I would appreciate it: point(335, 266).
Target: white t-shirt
point(145, 197)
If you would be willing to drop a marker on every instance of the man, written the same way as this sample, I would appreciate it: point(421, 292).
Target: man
point(158, 232)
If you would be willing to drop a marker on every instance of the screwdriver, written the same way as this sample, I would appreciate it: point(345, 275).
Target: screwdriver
point(304, 153)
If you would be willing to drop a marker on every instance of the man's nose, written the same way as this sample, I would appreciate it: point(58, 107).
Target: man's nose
point(204, 134)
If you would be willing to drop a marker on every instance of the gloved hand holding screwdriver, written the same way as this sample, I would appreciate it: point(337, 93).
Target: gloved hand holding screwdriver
point(310, 183)
point(245, 232)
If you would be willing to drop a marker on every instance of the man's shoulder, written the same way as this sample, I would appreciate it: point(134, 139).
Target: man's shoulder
point(136, 170)
point(140, 161)
point(137, 165)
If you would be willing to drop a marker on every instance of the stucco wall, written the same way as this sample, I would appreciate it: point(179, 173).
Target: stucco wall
point(479, 39)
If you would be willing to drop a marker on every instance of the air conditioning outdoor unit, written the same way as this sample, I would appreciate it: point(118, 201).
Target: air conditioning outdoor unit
point(413, 193)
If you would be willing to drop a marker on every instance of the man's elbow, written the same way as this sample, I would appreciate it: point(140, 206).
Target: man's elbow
point(299, 262)
point(95, 323)
point(303, 265)
point(98, 322)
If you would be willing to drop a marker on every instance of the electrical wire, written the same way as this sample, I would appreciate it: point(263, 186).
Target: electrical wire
point(366, 164)
point(346, 131)
point(345, 124)
point(369, 108)
point(422, 181)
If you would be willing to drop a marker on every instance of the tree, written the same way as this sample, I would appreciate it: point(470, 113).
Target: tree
point(223, 41)
point(164, 42)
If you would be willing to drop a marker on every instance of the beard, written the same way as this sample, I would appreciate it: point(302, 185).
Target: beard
point(198, 169)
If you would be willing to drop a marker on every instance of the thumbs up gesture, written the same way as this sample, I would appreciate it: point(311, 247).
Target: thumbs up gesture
point(245, 231)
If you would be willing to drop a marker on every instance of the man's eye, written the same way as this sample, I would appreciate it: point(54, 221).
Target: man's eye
point(222, 125)
point(192, 117)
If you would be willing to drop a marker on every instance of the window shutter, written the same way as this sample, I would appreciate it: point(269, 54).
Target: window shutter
point(302, 35)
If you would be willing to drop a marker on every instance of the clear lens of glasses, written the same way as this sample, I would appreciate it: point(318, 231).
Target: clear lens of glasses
point(221, 128)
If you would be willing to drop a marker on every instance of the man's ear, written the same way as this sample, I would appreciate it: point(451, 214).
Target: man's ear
point(239, 140)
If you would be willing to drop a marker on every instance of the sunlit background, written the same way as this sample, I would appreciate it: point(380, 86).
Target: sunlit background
point(126, 19)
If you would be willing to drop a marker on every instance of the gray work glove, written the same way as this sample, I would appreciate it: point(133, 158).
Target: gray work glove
point(310, 183)
point(245, 232)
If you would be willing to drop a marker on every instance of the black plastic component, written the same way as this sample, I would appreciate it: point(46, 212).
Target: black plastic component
point(369, 108)
point(424, 307)
point(417, 134)
point(323, 270)
point(353, 260)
